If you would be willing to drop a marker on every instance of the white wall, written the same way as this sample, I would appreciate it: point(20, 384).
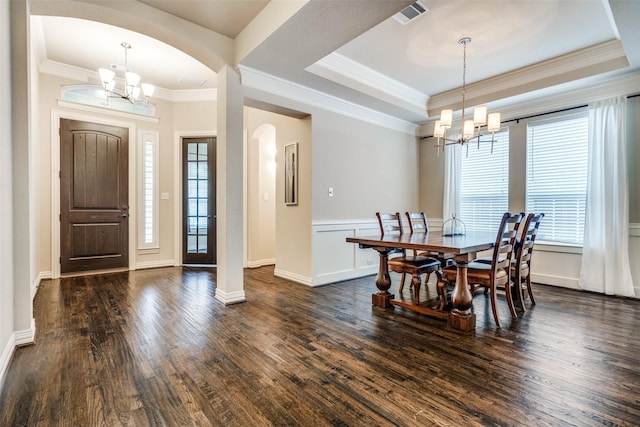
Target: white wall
point(293, 223)
point(266, 197)
point(18, 270)
point(23, 270)
point(263, 129)
point(6, 217)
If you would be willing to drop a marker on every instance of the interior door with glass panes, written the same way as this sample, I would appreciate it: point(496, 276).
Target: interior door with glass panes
point(199, 200)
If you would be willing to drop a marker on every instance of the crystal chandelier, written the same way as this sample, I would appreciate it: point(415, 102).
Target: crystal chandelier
point(131, 90)
point(472, 130)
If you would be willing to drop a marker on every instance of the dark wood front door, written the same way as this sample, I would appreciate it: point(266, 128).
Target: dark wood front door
point(94, 196)
point(199, 200)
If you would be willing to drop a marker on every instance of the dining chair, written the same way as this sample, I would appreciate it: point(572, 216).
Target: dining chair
point(521, 266)
point(403, 263)
point(495, 275)
point(522, 253)
point(418, 223)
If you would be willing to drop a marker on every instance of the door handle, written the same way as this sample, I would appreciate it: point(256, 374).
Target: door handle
point(124, 215)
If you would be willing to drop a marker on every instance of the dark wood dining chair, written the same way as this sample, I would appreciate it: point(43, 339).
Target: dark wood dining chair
point(405, 264)
point(495, 275)
point(521, 266)
point(418, 223)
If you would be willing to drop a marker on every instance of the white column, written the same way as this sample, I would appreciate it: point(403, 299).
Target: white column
point(229, 210)
point(24, 328)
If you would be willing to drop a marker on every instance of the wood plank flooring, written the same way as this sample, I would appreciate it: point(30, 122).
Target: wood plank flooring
point(154, 348)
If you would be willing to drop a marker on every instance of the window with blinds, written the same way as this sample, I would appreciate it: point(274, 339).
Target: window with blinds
point(484, 183)
point(557, 161)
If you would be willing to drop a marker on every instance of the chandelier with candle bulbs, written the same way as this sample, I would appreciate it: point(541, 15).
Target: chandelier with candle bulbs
point(472, 130)
point(131, 90)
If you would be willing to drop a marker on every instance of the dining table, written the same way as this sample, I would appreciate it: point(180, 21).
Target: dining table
point(461, 249)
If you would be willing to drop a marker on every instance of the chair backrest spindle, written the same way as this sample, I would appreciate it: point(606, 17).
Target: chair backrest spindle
point(389, 223)
point(505, 241)
point(417, 222)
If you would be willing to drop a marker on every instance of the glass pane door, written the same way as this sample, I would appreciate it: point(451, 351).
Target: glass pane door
point(199, 217)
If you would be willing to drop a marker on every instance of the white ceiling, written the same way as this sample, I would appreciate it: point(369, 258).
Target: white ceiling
point(356, 50)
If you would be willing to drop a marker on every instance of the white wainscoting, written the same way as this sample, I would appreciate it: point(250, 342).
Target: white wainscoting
point(334, 259)
point(634, 256)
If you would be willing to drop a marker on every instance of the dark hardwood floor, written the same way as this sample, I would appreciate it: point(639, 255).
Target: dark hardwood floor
point(154, 348)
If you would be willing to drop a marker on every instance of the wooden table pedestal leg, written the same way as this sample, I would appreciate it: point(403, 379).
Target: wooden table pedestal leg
point(382, 298)
point(461, 317)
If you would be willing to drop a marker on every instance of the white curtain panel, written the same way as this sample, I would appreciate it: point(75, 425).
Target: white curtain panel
point(452, 173)
point(605, 253)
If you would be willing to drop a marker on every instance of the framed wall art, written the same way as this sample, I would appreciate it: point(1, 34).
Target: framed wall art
point(291, 174)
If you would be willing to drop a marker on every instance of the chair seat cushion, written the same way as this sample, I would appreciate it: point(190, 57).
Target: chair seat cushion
point(477, 272)
point(486, 260)
point(415, 261)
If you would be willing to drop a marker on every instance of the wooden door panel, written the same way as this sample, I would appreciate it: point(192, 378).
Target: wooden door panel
point(94, 226)
point(90, 240)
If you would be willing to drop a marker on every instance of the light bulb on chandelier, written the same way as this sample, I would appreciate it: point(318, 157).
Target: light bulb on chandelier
point(471, 129)
point(131, 90)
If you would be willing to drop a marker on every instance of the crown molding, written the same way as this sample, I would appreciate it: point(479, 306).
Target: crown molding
point(342, 70)
point(275, 85)
point(64, 70)
point(37, 39)
point(570, 95)
point(559, 97)
point(597, 59)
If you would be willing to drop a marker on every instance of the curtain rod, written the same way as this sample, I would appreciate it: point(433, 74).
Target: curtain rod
point(517, 120)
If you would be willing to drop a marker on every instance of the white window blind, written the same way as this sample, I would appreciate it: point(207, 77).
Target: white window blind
point(557, 161)
point(148, 220)
point(484, 183)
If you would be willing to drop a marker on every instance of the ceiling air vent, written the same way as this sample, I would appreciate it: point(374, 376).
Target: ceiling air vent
point(411, 12)
point(190, 81)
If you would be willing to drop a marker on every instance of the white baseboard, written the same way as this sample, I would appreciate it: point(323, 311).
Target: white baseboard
point(231, 297)
point(16, 339)
point(27, 336)
point(339, 276)
point(43, 275)
point(155, 264)
point(261, 263)
point(293, 277)
point(563, 282)
point(5, 358)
